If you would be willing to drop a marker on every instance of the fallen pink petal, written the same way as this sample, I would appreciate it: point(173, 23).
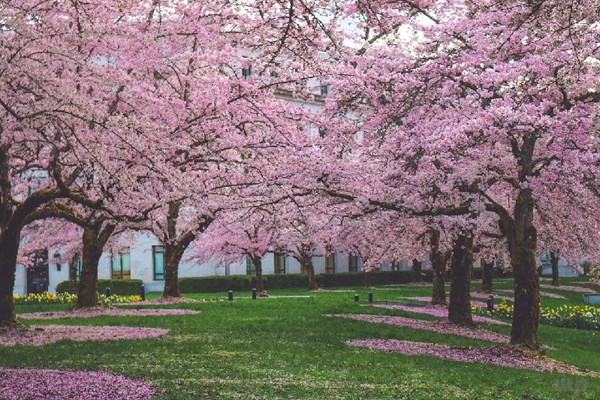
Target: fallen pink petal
point(441, 326)
point(435, 311)
point(578, 289)
point(545, 294)
point(428, 300)
point(115, 312)
point(504, 356)
point(52, 384)
point(39, 335)
point(479, 295)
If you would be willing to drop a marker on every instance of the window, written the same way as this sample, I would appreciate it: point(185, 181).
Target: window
point(250, 269)
point(274, 74)
point(78, 266)
point(330, 264)
point(324, 90)
point(158, 262)
point(279, 263)
point(352, 263)
point(120, 264)
point(246, 72)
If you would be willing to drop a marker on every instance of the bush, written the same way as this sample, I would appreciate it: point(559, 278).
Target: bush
point(121, 287)
point(213, 284)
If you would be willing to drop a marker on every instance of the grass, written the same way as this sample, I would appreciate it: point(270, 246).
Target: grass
point(286, 348)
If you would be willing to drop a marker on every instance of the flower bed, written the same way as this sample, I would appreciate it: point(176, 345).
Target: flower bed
point(67, 298)
point(117, 312)
point(566, 316)
point(504, 356)
point(441, 326)
point(38, 335)
point(436, 312)
point(51, 384)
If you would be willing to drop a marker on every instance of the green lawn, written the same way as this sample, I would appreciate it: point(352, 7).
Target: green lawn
point(285, 348)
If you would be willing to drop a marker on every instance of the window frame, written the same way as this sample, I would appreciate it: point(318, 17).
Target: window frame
point(158, 249)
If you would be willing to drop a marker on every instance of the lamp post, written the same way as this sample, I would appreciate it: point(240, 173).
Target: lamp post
point(57, 261)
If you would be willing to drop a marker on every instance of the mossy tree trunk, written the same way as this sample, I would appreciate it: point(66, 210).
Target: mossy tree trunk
point(487, 276)
point(9, 247)
point(305, 253)
point(94, 239)
point(554, 262)
point(459, 309)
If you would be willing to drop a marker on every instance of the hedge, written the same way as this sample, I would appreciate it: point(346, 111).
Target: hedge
point(282, 281)
point(122, 287)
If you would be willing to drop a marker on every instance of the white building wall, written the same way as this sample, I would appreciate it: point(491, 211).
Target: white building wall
point(55, 276)
point(20, 280)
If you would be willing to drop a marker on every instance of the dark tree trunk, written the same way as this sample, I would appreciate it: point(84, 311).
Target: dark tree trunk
point(307, 265)
point(73, 271)
point(487, 276)
point(94, 239)
point(554, 261)
point(438, 266)
point(260, 283)
point(459, 309)
point(522, 242)
point(173, 254)
point(416, 269)
point(9, 247)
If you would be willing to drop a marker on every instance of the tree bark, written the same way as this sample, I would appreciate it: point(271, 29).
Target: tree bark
point(94, 240)
point(554, 261)
point(73, 271)
point(9, 247)
point(260, 283)
point(459, 309)
point(307, 265)
point(173, 254)
point(438, 266)
point(416, 269)
point(487, 277)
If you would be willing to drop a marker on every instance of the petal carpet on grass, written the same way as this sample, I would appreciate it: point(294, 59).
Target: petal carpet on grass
point(116, 312)
point(435, 311)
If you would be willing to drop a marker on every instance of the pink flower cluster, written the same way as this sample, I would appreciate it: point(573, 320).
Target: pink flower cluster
point(441, 326)
point(570, 288)
point(436, 312)
point(504, 356)
point(51, 384)
point(545, 294)
point(39, 335)
point(117, 312)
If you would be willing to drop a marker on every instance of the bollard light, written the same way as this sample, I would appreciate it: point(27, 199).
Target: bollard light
point(370, 297)
point(356, 298)
point(490, 303)
point(253, 293)
point(107, 292)
point(230, 295)
point(143, 292)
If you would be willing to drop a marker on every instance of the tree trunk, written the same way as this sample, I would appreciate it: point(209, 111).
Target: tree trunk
point(459, 309)
point(260, 283)
point(487, 276)
point(554, 261)
point(306, 263)
point(173, 254)
point(438, 266)
point(416, 268)
point(93, 245)
point(9, 247)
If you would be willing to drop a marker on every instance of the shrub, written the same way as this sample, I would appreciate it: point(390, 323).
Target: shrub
point(121, 287)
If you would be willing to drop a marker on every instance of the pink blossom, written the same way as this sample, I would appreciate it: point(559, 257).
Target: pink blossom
point(52, 384)
point(570, 288)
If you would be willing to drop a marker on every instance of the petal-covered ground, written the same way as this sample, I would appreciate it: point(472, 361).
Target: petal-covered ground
point(428, 300)
point(570, 288)
point(505, 356)
point(116, 312)
point(50, 384)
point(39, 335)
point(161, 301)
point(441, 326)
point(434, 311)
point(545, 294)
